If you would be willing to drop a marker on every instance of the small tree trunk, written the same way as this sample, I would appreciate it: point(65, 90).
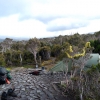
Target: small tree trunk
point(35, 59)
point(20, 59)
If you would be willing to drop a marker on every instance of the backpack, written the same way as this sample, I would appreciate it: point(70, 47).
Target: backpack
point(2, 79)
point(3, 71)
point(4, 75)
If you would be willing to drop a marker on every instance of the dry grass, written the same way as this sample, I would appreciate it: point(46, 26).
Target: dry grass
point(48, 67)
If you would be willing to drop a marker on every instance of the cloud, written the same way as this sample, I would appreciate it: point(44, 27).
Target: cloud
point(62, 24)
point(48, 10)
point(51, 10)
point(43, 18)
point(10, 26)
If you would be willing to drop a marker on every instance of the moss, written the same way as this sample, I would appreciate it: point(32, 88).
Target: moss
point(29, 66)
point(47, 62)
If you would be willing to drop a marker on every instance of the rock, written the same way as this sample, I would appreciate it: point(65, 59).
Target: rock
point(30, 87)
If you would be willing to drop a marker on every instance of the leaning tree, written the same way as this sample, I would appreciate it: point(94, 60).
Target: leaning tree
point(32, 46)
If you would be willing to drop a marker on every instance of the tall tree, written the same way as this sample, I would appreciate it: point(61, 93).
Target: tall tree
point(32, 46)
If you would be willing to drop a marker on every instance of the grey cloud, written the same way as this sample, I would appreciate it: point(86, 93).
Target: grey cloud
point(46, 19)
point(8, 7)
point(56, 28)
point(66, 27)
point(42, 18)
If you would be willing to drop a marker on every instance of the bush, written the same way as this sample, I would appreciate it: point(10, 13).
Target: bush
point(2, 60)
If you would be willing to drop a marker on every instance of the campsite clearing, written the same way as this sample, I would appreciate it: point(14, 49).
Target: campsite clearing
point(31, 87)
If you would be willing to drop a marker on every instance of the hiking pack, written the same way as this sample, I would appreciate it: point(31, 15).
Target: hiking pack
point(4, 75)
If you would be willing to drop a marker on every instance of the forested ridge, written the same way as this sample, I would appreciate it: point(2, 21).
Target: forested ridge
point(79, 84)
point(34, 50)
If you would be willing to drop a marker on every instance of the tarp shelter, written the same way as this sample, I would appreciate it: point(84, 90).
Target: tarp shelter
point(61, 66)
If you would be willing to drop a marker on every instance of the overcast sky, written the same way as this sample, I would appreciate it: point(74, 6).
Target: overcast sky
point(48, 18)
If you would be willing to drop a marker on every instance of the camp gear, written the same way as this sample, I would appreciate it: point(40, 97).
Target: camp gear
point(35, 72)
point(42, 68)
point(4, 96)
point(9, 76)
point(11, 92)
point(2, 79)
point(7, 81)
point(4, 76)
point(3, 71)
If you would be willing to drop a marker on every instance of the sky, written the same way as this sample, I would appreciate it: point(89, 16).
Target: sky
point(48, 18)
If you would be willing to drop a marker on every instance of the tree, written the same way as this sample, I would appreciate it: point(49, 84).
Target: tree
point(96, 45)
point(76, 81)
point(32, 46)
point(44, 52)
point(56, 50)
point(20, 47)
point(75, 39)
point(97, 34)
point(6, 44)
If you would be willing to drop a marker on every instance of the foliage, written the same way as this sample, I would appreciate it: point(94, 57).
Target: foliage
point(44, 52)
point(32, 46)
point(56, 50)
point(74, 39)
point(17, 46)
point(77, 55)
point(29, 66)
point(97, 33)
point(96, 45)
point(2, 60)
point(46, 63)
point(80, 80)
point(50, 47)
point(13, 58)
point(27, 57)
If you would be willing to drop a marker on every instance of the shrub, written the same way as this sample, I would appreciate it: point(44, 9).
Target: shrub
point(2, 60)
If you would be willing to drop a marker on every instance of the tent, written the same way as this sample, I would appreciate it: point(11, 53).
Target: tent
point(61, 66)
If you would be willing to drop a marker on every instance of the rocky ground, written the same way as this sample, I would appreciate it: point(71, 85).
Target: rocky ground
point(31, 87)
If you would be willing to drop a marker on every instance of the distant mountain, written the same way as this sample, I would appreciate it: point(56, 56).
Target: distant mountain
point(2, 38)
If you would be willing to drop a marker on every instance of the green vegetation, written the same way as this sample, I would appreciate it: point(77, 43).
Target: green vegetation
point(96, 45)
point(35, 50)
point(47, 51)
